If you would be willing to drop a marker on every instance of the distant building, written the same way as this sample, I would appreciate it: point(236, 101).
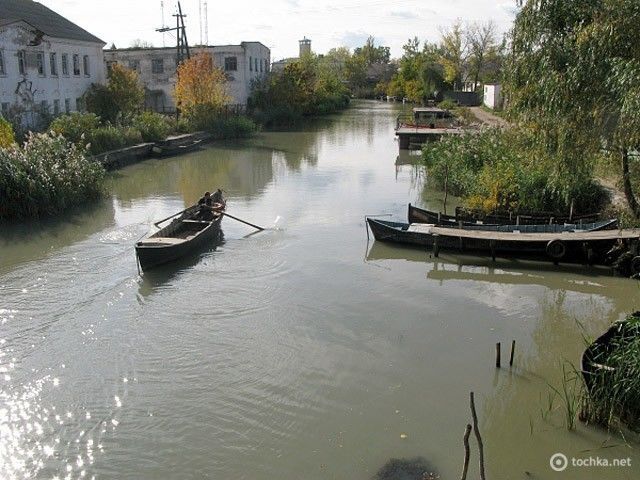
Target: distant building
point(46, 62)
point(492, 95)
point(157, 69)
point(304, 49)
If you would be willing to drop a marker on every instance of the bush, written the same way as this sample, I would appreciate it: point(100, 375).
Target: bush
point(505, 170)
point(152, 126)
point(107, 138)
point(74, 125)
point(46, 176)
point(207, 119)
point(6, 134)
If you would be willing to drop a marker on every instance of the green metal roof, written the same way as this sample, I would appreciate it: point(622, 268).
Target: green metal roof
point(44, 19)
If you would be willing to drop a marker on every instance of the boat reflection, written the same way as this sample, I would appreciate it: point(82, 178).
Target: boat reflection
point(448, 267)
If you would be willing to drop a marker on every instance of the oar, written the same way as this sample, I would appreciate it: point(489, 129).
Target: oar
point(171, 216)
point(242, 221)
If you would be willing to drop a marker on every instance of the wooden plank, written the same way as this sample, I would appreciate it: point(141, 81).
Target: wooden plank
point(532, 237)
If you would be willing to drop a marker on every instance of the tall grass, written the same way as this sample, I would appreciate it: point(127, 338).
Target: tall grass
point(613, 384)
point(46, 176)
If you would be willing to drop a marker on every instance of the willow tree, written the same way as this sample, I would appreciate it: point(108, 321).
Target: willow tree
point(574, 76)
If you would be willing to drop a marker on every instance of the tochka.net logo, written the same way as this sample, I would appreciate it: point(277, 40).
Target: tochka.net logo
point(560, 462)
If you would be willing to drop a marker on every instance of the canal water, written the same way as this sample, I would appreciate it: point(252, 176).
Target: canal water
point(302, 352)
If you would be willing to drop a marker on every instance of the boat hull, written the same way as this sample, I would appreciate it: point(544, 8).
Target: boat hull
point(419, 215)
point(150, 256)
point(512, 244)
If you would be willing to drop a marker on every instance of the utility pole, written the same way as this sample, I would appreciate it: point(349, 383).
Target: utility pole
point(182, 47)
point(206, 23)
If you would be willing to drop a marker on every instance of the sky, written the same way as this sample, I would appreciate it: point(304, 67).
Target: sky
point(279, 24)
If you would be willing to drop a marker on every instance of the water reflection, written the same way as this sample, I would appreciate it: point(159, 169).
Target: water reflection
point(29, 240)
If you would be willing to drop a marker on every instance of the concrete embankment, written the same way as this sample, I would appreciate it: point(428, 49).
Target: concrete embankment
point(122, 157)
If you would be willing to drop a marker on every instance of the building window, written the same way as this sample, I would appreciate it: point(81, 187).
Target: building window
point(255, 64)
point(85, 65)
point(79, 104)
point(5, 109)
point(40, 62)
point(22, 64)
point(250, 64)
point(230, 64)
point(44, 106)
point(2, 69)
point(134, 65)
point(157, 65)
point(261, 64)
point(56, 107)
point(67, 105)
point(65, 64)
point(53, 64)
point(76, 64)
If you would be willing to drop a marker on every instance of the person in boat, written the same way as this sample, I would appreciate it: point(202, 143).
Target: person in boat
point(210, 204)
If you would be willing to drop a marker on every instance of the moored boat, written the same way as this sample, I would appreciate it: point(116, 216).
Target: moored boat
point(166, 150)
point(557, 242)
point(179, 238)
point(473, 217)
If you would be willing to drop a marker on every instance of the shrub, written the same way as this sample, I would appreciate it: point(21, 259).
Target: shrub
point(74, 125)
point(152, 126)
point(6, 134)
point(505, 170)
point(46, 176)
point(201, 117)
point(107, 138)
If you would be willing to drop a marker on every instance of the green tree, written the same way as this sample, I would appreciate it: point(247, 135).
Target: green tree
point(574, 75)
point(454, 53)
point(123, 95)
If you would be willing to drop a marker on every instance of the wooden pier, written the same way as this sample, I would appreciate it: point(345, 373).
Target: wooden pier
point(426, 124)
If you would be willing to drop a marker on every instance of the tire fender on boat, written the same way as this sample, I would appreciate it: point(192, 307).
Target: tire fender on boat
point(556, 249)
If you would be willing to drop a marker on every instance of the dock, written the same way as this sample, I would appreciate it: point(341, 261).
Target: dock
point(426, 124)
point(415, 136)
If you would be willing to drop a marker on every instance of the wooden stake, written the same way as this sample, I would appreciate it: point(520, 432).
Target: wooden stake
point(476, 431)
point(467, 453)
point(498, 355)
point(446, 182)
point(513, 349)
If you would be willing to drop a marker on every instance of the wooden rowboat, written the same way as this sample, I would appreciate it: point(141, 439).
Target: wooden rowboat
point(557, 242)
point(166, 150)
point(182, 236)
point(472, 217)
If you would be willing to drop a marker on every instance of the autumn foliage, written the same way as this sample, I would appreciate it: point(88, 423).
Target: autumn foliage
point(200, 83)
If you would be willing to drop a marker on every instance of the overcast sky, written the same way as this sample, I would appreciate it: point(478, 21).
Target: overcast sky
point(279, 24)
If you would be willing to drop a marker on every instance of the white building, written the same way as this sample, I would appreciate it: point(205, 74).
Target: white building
point(156, 67)
point(46, 62)
point(492, 96)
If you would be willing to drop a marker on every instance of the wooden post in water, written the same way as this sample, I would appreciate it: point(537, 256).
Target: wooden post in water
point(476, 430)
point(492, 244)
point(467, 453)
point(498, 355)
point(435, 245)
point(513, 349)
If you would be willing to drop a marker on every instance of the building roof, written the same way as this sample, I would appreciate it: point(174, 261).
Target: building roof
point(44, 19)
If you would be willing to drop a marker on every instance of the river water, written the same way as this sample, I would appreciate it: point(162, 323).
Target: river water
point(300, 352)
